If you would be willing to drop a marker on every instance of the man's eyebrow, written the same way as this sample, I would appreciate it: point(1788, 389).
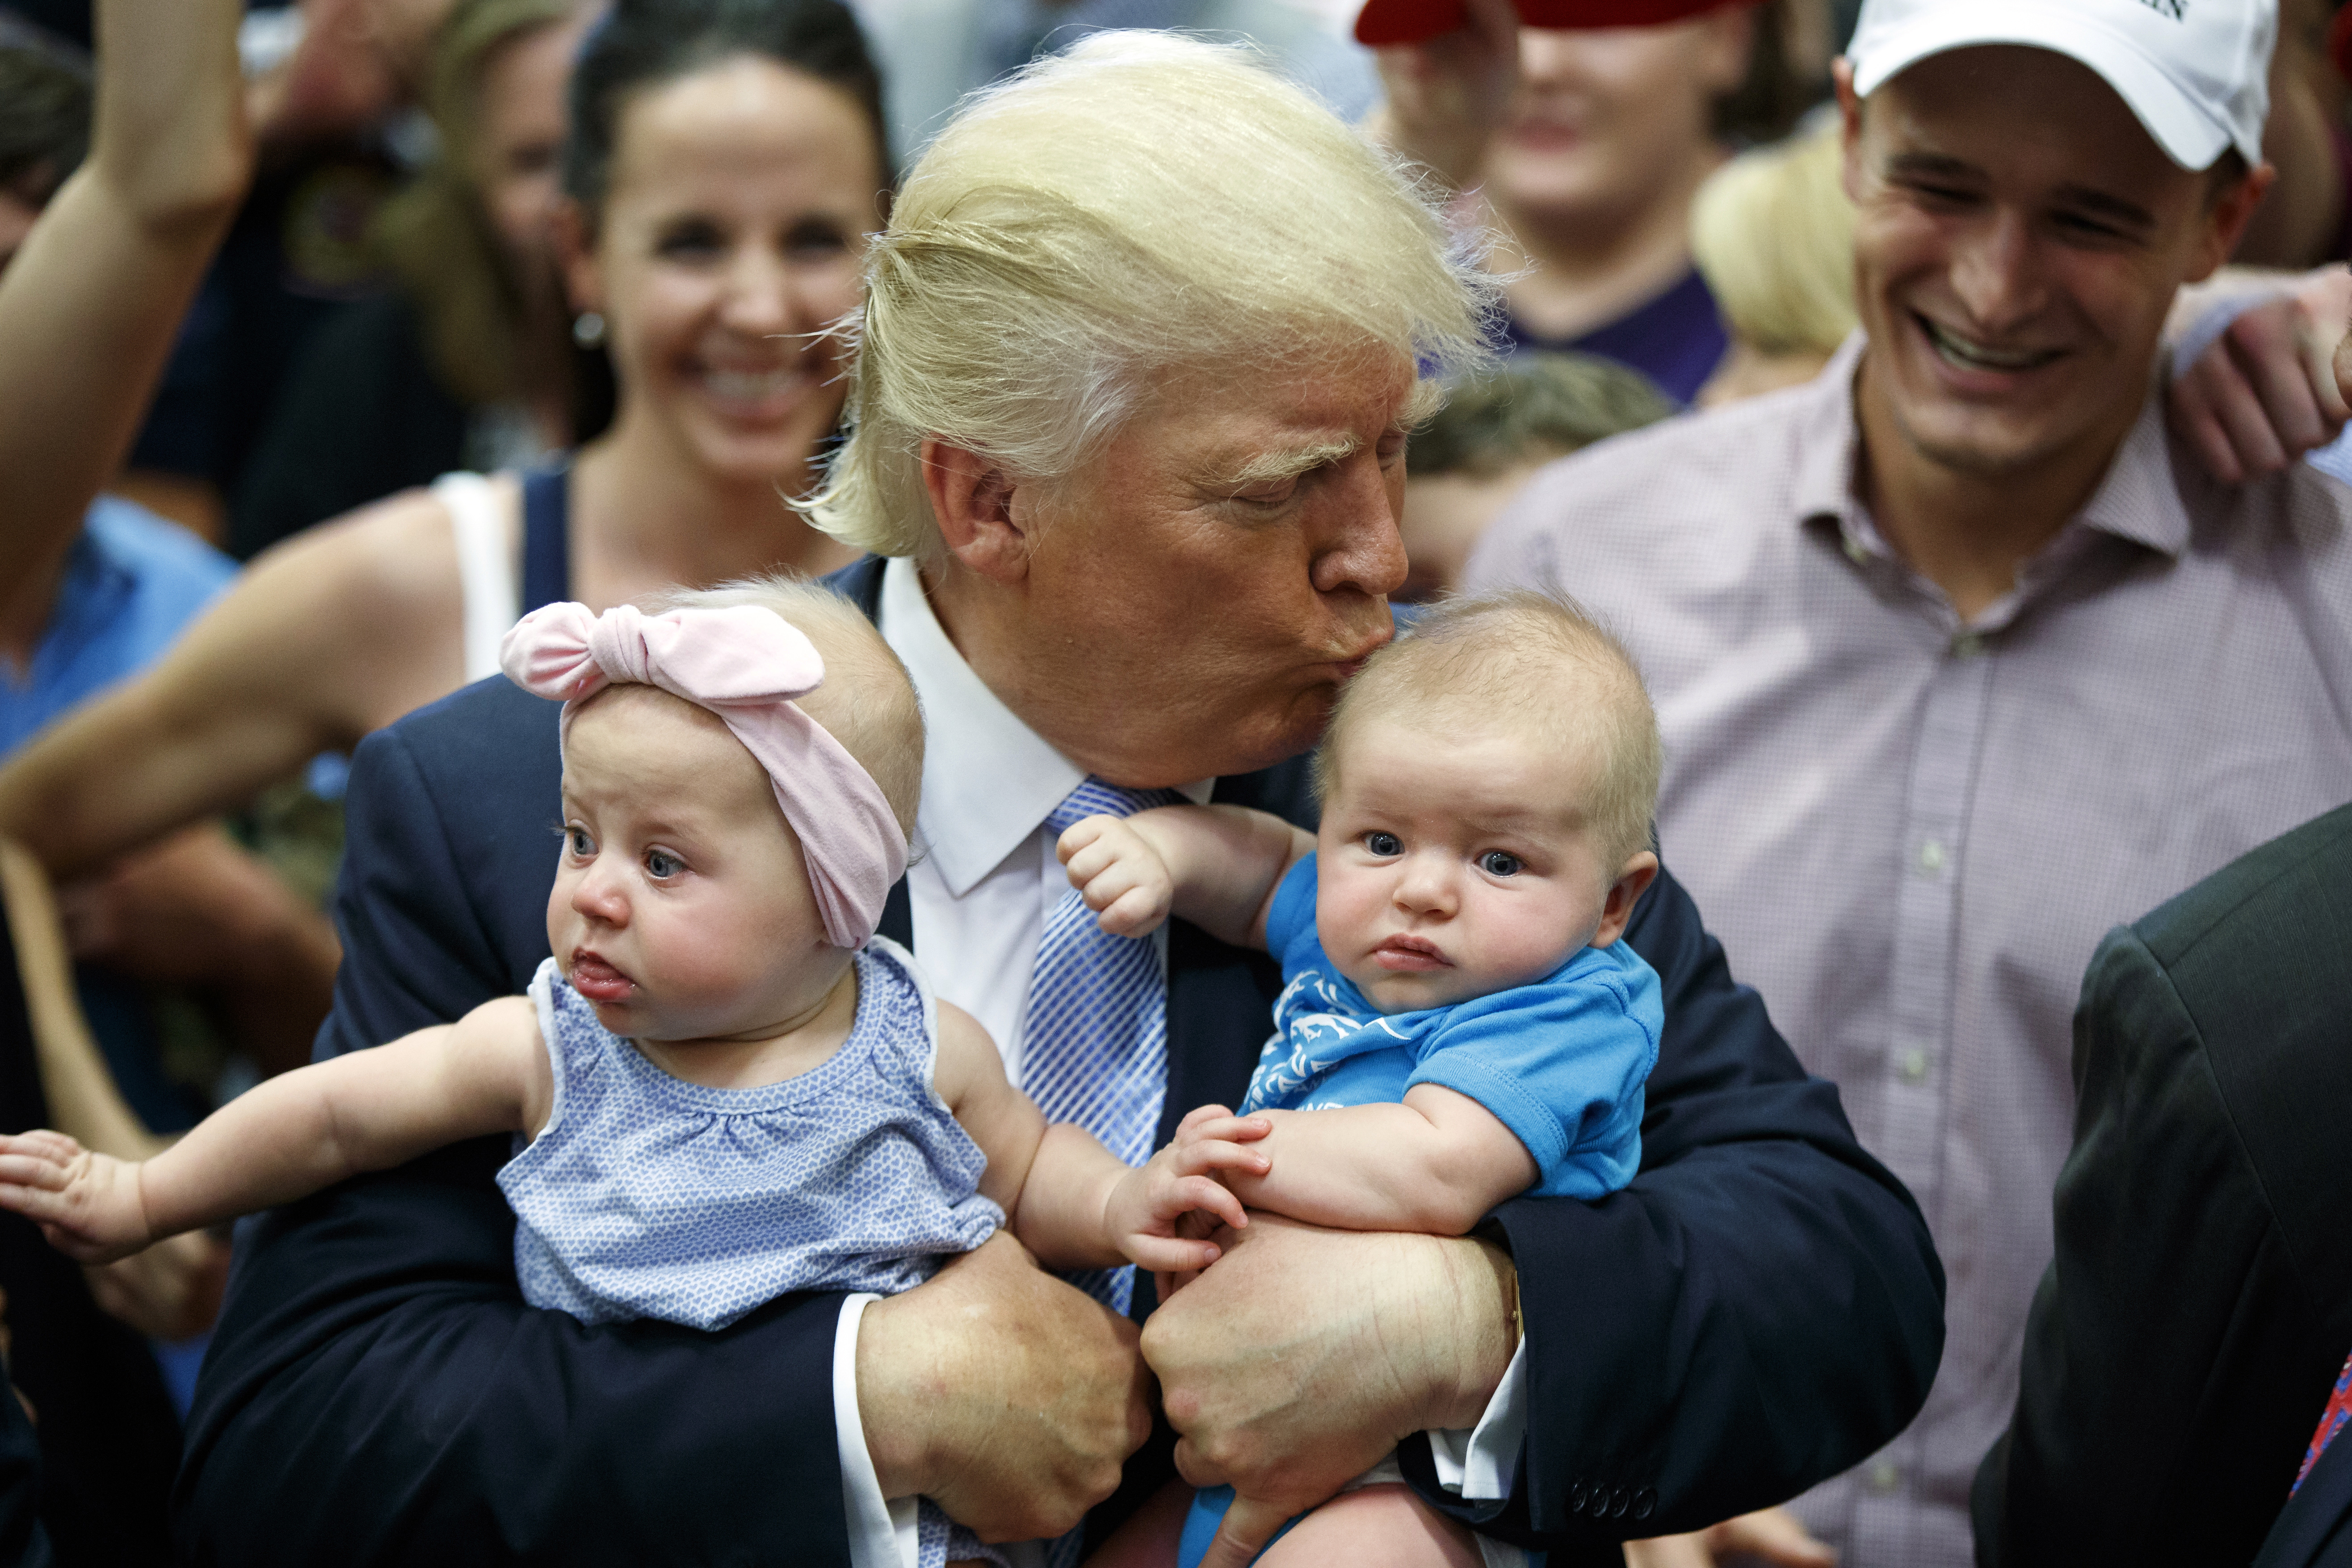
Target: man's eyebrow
point(1287, 463)
point(1932, 166)
point(2131, 214)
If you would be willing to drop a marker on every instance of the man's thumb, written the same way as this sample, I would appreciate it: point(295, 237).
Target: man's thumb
point(1244, 1533)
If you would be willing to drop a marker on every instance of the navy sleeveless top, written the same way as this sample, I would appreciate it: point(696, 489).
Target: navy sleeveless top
point(547, 535)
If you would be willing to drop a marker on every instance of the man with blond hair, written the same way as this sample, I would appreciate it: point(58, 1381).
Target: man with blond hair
point(1959, 662)
point(1143, 342)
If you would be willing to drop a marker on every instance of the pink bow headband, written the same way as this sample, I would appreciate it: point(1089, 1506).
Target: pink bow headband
point(746, 664)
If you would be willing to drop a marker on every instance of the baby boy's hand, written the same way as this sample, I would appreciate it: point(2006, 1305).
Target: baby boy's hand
point(87, 1204)
point(1122, 878)
point(1145, 1208)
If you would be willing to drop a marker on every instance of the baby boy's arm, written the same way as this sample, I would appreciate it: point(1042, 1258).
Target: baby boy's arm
point(289, 1136)
point(1216, 866)
point(1069, 1199)
point(1438, 1165)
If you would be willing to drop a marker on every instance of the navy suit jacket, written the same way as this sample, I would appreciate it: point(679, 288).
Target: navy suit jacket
point(1761, 1308)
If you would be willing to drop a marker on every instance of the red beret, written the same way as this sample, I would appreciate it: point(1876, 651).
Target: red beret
point(1410, 21)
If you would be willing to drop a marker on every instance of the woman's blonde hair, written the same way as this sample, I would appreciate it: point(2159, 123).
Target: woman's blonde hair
point(1142, 205)
point(1772, 232)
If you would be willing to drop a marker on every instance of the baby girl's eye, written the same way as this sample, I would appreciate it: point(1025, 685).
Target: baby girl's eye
point(661, 863)
point(1496, 862)
point(577, 841)
point(1383, 844)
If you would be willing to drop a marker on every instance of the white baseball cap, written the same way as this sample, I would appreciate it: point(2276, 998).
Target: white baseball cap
point(2196, 72)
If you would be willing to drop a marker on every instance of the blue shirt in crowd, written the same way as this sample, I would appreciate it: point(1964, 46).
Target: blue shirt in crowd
point(1561, 1062)
point(132, 581)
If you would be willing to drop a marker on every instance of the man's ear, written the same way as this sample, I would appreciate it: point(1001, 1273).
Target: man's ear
point(575, 241)
point(975, 501)
point(2227, 214)
point(1641, 871)
point(1850, 123)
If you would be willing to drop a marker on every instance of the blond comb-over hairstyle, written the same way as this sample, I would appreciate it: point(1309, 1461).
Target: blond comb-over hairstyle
point(1529, 661)
point(1142, 205)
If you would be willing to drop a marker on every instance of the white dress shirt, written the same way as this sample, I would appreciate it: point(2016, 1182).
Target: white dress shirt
point(984, 877)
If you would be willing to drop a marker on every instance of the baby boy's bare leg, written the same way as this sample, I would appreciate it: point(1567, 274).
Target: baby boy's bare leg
point(1375, 1527)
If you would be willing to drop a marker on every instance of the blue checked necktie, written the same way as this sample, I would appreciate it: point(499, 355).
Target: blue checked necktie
point(1096, 1051)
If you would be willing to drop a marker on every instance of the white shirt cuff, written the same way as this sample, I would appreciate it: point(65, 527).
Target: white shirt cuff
point(881, 1532)
point(1476, 1464)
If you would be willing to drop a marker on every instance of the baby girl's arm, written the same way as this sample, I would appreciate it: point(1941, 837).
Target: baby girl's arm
point(290, 1136)
point(1216, 866)
point(1069, 1199)
point(1436, 1164)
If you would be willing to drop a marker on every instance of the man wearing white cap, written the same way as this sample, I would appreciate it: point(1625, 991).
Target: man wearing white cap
point(1960, 661)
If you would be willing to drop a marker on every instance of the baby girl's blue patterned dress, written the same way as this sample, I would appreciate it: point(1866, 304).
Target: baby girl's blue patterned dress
point(647, 1196)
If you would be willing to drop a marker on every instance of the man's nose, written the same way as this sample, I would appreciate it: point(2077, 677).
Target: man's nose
point(1362, 549)
point(1996, 273)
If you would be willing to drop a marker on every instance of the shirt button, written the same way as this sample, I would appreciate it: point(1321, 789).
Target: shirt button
point(1884, 1476)
point(1967, 645)
point(1932, 856)
point(1856, 550)
point(1914, 1066)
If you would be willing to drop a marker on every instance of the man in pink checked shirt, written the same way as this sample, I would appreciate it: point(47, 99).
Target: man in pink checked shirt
point(1959, 657)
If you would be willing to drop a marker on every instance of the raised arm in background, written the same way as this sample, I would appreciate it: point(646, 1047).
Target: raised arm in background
point(91, 303)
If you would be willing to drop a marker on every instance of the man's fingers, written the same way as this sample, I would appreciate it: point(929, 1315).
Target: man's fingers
point(2245, 424)
point(1247, 1526)
point(2270, 354)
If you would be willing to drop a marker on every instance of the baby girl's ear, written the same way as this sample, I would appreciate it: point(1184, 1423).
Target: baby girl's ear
point(1640, 870)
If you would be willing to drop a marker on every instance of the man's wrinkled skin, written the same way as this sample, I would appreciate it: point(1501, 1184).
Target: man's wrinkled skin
point(1032, 1395)
point(1295, 1322)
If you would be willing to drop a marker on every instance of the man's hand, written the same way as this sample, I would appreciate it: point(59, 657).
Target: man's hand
point(1771, 1534)
point(1306, 1354)
point(1446, 98)
point(1144, 1206)
point(1122, 878)
point(2266, 392)
point(1001, 1393)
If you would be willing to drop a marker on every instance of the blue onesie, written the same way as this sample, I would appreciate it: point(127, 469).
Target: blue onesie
point(1561, 1063)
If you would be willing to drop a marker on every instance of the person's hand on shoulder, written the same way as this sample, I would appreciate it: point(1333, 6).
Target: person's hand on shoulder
point(2264, 391)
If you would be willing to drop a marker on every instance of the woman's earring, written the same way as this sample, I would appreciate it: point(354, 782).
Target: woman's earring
point(588, 329)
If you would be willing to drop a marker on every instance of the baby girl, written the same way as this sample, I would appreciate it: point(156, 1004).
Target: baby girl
point(1458, 1013)
point(723, 1086)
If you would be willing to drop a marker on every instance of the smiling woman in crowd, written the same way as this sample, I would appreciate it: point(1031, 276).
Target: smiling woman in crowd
point(724, 166)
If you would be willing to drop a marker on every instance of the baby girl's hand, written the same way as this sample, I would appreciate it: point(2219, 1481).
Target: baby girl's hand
point(1122, 878)
point(88, 1205)
point(1144, 1209)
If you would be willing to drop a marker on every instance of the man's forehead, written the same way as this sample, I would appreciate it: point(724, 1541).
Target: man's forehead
point(2014, 112)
